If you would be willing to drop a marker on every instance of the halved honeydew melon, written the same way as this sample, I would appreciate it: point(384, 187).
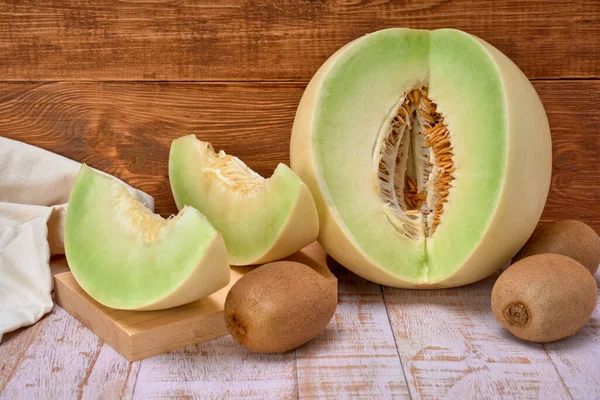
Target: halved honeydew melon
point(428, 154)
point(126, 257)
point(261, 219)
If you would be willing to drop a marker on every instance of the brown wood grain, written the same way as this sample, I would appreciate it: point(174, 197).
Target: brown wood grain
point(574, 113)
point(126, 129)
point(257, 40)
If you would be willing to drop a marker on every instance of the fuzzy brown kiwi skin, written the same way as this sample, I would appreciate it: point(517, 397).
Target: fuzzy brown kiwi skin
point(279, 306)
point(545, 297)
point(570, 238)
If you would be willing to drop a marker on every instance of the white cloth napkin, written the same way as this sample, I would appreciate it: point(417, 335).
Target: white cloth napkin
point(34, 191)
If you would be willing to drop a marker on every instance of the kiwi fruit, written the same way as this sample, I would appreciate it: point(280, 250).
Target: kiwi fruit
point(570, 238)
point(544, 297)
point(279, 306)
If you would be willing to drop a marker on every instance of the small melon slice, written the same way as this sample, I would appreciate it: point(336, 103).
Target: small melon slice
point(428, 154)
point(262, 220)
point(126, 257)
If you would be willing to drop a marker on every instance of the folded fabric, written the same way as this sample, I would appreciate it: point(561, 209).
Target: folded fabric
point(34, 192)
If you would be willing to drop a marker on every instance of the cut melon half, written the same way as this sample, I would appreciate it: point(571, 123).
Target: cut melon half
point(126, 257)
point(261, 219)
point(428, 154)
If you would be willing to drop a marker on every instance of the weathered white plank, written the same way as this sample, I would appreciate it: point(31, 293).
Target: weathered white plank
point(448, 340)
point(57, 362)
point(355, 357)
point(452, 347)
point(216, 369)
point(15, 344)
point(111, 377)
point(577, 359)
point(56, 358)
point(12, 351)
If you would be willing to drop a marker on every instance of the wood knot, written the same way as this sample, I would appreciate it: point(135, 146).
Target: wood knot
point(516, 313)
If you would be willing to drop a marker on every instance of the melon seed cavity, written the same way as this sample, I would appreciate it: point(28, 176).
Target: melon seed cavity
point(233, 173)
point(135, 217)
point(413, 157)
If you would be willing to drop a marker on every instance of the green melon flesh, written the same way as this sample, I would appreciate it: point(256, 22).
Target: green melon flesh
point(261, 219)
point(126, 257)
point(501, 144)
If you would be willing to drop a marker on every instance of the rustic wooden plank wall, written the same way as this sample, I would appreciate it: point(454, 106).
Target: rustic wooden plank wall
point(245, 65)
point(282, 39)
point(126, 129)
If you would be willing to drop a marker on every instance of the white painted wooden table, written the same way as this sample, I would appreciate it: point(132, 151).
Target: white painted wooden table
point(382, 343)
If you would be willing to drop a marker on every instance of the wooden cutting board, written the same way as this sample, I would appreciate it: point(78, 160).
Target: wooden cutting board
point(141, 334)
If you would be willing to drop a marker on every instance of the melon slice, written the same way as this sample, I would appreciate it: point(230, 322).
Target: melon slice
point(428, 154)
point(126, 257)
point(262, 220)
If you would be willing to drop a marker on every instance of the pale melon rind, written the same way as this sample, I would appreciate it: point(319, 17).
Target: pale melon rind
point(121, 266)
point(499, 129)
point(271, 223)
